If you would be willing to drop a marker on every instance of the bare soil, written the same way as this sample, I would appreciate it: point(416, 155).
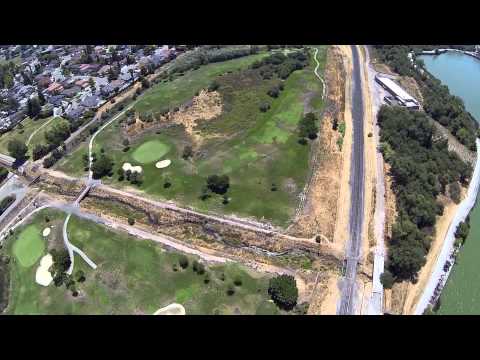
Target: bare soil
point(320, 211)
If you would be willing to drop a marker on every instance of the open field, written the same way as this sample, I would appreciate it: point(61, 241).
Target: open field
point(461, 295)
point(257, 150)
point(22, 134)
point(133, 277)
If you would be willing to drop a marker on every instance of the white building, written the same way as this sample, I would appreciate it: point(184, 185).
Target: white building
point(400, 95)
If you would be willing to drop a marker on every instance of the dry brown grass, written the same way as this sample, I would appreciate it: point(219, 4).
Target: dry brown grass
point(320, 210)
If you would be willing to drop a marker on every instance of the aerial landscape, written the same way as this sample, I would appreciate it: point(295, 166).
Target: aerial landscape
point(239, 179)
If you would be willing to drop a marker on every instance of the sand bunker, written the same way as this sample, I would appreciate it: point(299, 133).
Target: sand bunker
point(163, 164)
point(128, 166)
point(46, 231)
point(172, 309)
point(43, 276)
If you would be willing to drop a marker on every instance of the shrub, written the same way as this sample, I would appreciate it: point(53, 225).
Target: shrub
point(455, 192)
point(264, 107)
point(183, 261)
point(230, 290)
point(387, 279)
point(131, 221)
point(218, 184)
point(283, 291)
point(238, 281)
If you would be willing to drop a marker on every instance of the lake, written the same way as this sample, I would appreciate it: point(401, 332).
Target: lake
point(461, 295)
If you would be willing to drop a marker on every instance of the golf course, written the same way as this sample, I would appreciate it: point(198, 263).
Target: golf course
point(258, 150)
point(133, 276)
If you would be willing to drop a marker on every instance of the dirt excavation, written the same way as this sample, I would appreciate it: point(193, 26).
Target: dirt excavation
point(319, 213)
point(207, 105)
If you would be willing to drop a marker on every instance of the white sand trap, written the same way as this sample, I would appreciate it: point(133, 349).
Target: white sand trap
point(172, 309)
point(43, 276)
point(137, 169)
point(46, 231)
point(163, 164)
point(128, 166)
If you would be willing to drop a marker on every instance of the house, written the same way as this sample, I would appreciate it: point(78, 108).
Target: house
point(55, 88)
point(72, 91)
point(83, 83)
point(104, 70)
point(74, 111)
point(117, 84)
point(90, 101)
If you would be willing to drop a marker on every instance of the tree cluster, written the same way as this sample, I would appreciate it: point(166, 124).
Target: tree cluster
point(102, 167)
point(283, 291)
point(421, 169)
point(442, 106)
point(280, 64)
point(307, 127)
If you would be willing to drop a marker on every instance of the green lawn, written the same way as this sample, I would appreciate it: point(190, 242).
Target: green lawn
point(133, 277)
point(254, 149)
point(22, 134)
point(150, 151)
point(461, 295)
point(29, 246)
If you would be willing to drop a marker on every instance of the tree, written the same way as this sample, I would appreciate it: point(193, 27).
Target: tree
point(274, 91)
point(41, 97)
point(462, 231)
point(33, 107)
point(39, 151)
point(307, 127)
point(264, 107)
point(102, 167)
point(283, 291)
point(455, 192)
point(218, 184)
point(387, 279)
point(187, 152)
point(183, 261)
point(131, 221)
point(3, 173)
point(17, 149)
point(145, 83)
point(214, 85)
point(80, 276)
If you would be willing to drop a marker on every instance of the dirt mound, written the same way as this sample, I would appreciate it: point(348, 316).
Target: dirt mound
point(207, 105)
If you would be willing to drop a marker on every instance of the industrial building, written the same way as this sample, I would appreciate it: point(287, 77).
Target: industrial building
point(402, 97)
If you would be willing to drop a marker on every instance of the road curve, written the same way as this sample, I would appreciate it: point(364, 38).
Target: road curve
point(357, 188)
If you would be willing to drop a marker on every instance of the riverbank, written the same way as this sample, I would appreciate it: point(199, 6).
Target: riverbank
point(439, 277)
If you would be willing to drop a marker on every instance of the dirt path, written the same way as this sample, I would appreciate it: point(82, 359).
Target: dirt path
point(37, 130)
point(415, 290)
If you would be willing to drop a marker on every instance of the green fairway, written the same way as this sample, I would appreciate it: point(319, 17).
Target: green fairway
point(29, 246)
point(21, 132)
point(150, 151)
point(259, 151)
point(133, 277)
point(461, 295)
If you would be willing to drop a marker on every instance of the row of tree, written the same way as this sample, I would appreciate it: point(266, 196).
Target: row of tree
point(421, 169)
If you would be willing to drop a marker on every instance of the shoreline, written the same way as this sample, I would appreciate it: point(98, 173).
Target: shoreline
point(438, 277)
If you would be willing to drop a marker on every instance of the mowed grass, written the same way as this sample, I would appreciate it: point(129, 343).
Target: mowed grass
point(256, 150)
point(29, 126)
point(150, 151)
point(134, 277)
point(461, 295)
point(165, 95)
point(29, 246)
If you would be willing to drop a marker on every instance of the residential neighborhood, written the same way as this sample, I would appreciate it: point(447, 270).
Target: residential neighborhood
point(68, 80)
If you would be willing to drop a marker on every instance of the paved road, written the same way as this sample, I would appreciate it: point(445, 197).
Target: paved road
point(357, 188)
